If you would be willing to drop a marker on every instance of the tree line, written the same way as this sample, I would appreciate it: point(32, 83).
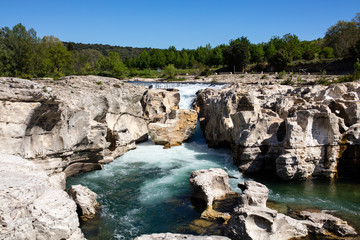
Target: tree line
point(24, 54)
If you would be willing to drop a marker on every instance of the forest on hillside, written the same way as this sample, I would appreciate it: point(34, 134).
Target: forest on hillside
point(24, 54)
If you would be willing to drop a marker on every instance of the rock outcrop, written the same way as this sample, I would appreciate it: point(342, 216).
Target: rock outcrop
point(171, 236)
point(295, 132)
point(210, 184)
point(33, 206)
point(252, 219)
point(70, 125)
point(169, 125)
point(178, 127)
point(85, 200)
point(324, 224)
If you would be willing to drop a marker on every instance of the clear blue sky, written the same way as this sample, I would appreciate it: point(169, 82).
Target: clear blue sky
point(181, 23)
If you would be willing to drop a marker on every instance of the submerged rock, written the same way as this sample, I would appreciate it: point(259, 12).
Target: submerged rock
point(32, 207)
point(85, 200)
point(294, 132)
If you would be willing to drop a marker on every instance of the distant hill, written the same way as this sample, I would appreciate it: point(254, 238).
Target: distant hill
point(124, 52)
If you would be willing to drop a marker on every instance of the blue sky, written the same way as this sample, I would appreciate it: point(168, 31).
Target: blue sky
point(183, 24)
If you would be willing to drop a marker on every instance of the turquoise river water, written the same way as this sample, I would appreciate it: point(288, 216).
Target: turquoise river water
point(147, 190)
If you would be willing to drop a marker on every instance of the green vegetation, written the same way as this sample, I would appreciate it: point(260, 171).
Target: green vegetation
point(25, 55)
point(281, 75)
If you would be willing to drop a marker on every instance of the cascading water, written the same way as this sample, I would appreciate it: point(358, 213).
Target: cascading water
point(147, 190)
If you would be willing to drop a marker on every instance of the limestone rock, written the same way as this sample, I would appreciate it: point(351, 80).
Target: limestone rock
point(157, 103)
point(261, 223)
point(253, 194)
point(210, 184)
point(253, 220)
point(171, 236)
point(85, 200)
point(323, 224)
point(70, 125)
point(177, 128)
point(295, 132)
point(31, 207)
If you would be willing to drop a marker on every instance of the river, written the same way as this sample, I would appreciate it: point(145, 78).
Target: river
point(147, 190)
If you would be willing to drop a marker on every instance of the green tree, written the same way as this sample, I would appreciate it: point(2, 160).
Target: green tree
point(157, 58)
point(111, 66)
point(236, 55)
point(280, 60)
point(327, 52)
point(57, 59)
point(342, 37)
point(17, 50)
point(257, 53)
point(143, 60)
point(170, 71)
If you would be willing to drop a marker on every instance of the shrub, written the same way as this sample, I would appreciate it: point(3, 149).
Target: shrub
point(287, 81)
point(264, 76)
point(206, 72)
point(170, 71)
point(281, 75)
point(323, 81)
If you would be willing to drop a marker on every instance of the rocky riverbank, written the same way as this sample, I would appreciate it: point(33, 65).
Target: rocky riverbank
point(77, 123)
point(244, 78)
point(252, 219)
point(294, 132)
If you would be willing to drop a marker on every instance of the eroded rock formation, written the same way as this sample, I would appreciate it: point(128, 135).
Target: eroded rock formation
point(169, 125)
point(85, 200)
point(79, 123)
point(295, 132)
point(70, 125)
point(252, 219)
point(34, 206)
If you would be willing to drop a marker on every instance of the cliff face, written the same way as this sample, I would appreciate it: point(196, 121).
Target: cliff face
point(34, 206)
point(71, 125)
point(295, 132)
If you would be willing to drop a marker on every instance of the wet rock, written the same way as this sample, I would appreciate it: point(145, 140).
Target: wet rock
point(253, 220)
point(32, 207)
point(326, 224)
point(85, 200)
point(210, 184)
point(171, 236)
